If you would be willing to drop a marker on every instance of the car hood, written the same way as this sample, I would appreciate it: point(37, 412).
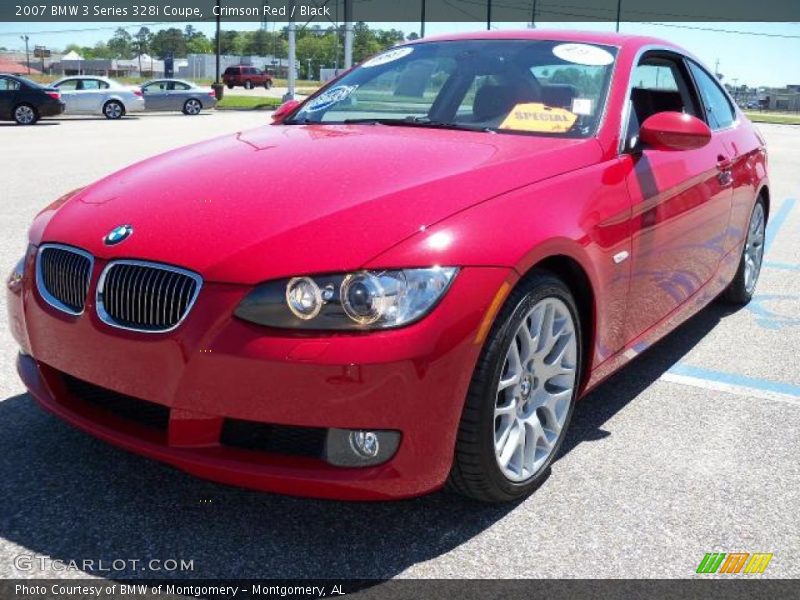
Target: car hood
point(293, 199)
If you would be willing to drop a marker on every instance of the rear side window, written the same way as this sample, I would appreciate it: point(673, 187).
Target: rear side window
point(719, 112)
point(94, 84)
point(69, 84)
point(177, 85)
point(8, 85)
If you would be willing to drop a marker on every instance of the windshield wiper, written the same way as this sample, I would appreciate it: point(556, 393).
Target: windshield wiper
point(418, 122)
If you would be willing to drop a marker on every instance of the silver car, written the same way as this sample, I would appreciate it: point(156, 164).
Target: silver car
point(176, 94)
point(90, 95)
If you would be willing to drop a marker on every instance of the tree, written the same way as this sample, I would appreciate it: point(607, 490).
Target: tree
point(121, 44)
point(364, 42)
point(232, 42)
point(142, 45)
point(259, 43)
point(199, 44)
point(168, 41)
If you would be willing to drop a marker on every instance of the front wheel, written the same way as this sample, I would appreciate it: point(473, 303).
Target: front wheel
point(192, 107)
point(743, 286)
point(25, 114)
point(522, 394)
point(248, 85)
point(113, 110)
point(267, 84)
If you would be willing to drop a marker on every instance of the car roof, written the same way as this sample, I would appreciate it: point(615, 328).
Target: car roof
point(558, 35)
point(168, 79)
point(100, 77)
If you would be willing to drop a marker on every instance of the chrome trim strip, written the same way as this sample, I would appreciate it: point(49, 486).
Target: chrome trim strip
point(42, 288)
point(109, 320)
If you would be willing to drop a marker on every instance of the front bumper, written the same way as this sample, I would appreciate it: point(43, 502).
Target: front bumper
point(135, 105)
point(215, 368)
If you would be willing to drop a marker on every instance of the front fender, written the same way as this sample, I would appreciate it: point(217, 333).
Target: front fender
point(584, 215)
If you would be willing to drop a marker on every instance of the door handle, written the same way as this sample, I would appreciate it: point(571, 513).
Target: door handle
point(724, 166)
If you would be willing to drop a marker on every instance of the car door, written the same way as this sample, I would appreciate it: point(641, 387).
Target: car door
point(156, 95)
point(69, 94)
point(681, 198)
point(8, 95)
point(740, 145)
point(179, 94)
point(91, 94)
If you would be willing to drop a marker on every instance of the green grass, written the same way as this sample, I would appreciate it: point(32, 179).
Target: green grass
point(248, 103)
point(767, 117)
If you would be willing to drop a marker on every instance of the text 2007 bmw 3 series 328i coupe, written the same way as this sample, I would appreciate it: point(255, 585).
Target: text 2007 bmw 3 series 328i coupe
point(495, 223)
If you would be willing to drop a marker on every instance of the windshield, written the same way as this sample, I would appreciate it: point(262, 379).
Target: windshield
point(515, 86)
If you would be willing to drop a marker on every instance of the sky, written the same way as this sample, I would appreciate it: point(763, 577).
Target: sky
point(756, 54)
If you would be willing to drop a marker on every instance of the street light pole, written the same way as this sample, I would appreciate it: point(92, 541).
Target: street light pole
point(291, 75)
point(27, 54)
point(218, 87)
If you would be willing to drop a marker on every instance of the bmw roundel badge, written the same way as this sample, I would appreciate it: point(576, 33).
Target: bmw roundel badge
point(117, 235)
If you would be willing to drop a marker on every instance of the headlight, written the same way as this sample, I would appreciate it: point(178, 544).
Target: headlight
point(14, 281)
point(361, 300)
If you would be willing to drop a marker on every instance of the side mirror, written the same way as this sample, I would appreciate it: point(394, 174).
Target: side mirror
point(674, 131)
point(284, 110)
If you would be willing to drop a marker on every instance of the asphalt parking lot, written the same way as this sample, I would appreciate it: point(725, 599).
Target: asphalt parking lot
point(691, 449)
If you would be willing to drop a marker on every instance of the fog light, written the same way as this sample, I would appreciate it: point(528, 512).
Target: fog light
point(360, 448)
point(365, 443)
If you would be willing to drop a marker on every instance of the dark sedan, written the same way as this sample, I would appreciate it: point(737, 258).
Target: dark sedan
point(25, 101)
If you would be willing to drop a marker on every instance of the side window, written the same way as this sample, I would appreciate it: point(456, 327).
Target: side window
point(68, 85)
point(719, 112)
point(94, 84)
point(8, 85)
point(655, 77)
point(659, 83)
point(177, 85)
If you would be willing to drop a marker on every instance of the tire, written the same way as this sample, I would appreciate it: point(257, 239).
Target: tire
point(113, 110)
point(477, 471)
point(25, 114)
point(267, 84)
point(248, 85)
point(230, 86)
point(743, 287)
point(192, 107)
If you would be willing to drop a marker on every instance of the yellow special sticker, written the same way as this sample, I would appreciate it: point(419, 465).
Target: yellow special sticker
point(534, 116)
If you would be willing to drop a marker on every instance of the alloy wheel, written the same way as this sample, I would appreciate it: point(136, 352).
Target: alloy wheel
point(113, 110)
point(535, 390)
point(24, 115)
point(754, 248)
point(192, 107)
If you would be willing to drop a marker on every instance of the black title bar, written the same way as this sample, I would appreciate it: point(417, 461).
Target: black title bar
point(408, 11)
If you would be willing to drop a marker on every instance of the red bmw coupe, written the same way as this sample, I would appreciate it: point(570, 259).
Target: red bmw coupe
point(461, 237)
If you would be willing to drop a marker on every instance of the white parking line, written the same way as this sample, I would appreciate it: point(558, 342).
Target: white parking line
point(730, 388)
